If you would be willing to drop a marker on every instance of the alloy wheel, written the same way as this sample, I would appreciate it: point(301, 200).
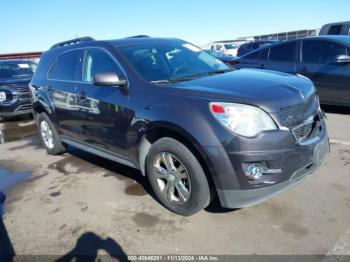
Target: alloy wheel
point(172, 178)
point(46, 134)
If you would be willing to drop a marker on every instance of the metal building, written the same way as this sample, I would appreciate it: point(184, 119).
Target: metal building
point(285, 35)
point(35, 56)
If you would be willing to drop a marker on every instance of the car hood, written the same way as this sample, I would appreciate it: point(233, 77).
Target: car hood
point(17, 84)
point(267, 89)
point(14, 81)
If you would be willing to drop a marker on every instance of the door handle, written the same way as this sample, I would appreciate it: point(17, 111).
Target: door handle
point(82, 95)
point(304, 69)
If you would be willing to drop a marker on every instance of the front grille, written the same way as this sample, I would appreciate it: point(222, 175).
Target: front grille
point(21, 88)
point(301, 132)
point(24, 108)
point(294, 115)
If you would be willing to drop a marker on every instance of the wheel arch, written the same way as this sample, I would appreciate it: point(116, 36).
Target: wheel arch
point(164, 129)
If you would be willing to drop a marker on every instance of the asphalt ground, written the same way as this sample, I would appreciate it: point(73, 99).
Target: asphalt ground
point(79, 203)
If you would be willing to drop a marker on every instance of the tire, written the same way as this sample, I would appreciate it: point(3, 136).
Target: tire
point(183, 188)
point(49, 136)
point(4, 119)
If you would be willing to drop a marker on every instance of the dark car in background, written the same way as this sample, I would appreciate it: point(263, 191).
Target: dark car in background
point(341, 28)
point(191, 124)
point(251, 46)
point(227, 59)
point(14, 92)
point(324, 59)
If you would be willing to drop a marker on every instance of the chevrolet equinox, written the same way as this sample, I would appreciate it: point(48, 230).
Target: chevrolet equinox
point(194, 126)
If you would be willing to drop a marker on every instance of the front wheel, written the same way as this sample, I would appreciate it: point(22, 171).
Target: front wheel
point(177, 178)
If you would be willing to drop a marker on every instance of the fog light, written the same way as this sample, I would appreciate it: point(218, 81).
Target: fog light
point(253, 171)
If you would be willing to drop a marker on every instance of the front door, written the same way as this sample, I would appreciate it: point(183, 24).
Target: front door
point(104, 112)
point(331, 79)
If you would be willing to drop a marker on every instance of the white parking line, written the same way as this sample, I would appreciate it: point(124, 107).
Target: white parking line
point(342, 247)
point(335, 141)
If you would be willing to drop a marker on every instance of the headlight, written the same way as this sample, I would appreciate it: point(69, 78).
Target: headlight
point(242, 119)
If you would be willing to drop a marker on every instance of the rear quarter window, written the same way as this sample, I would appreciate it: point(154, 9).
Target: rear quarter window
point(65, 67)
point(43, 66)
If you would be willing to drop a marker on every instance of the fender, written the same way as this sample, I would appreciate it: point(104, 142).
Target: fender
point(173, 119)
point(42, 103)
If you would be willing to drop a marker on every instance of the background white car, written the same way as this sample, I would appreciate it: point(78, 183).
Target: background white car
point(226, 48)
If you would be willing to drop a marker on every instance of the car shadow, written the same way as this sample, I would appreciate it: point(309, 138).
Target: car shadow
point(336, 109)
point(216, 208)
point(89, 244)
point(134, 174)
point(7, 251)
point(114, 167)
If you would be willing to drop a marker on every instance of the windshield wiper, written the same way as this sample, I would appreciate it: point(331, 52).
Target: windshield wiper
point(163, 81)
point(24, 75)
point(172, 80)
point(219, 71)
point(190, 77)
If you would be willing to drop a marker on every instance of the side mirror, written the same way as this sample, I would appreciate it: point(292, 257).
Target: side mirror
point(108, 79)
point(342, 59)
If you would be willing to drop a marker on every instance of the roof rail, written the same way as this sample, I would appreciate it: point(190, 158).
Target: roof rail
point(138, 36)
point(73, 41)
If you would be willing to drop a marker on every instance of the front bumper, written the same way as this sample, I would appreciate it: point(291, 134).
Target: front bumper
point(16, 103)
point(21, 107)
point(278, 150)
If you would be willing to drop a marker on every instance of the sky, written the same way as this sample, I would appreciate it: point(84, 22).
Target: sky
point(35, 25)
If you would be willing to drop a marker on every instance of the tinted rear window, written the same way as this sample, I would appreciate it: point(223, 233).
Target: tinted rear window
point(65, 66)
point(283, 53)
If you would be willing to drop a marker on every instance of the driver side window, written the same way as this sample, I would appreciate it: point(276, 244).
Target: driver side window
point(97, 61)
point(321, 52)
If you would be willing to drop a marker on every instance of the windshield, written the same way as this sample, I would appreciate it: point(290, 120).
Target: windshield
point(171, 61)
point(215, 53)
point(230, 46)
point(13, 70)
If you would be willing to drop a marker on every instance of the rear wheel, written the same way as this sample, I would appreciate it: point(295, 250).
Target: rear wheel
point(49, 136)
point(177, 177)
point(4, 118)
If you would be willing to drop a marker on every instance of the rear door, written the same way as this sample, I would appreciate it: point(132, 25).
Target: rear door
point(283, 57)
point(248, 61)
point(62, 78)
point(332, 80)
point(104, 111)
point(263, 58)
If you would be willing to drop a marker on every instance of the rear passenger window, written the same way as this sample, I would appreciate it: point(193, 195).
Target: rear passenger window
point(97, 61)
point(252, 56)
point(335, 30)
point(283, 53)
point(321, 52)
point(264, 54)
point(65, 66)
